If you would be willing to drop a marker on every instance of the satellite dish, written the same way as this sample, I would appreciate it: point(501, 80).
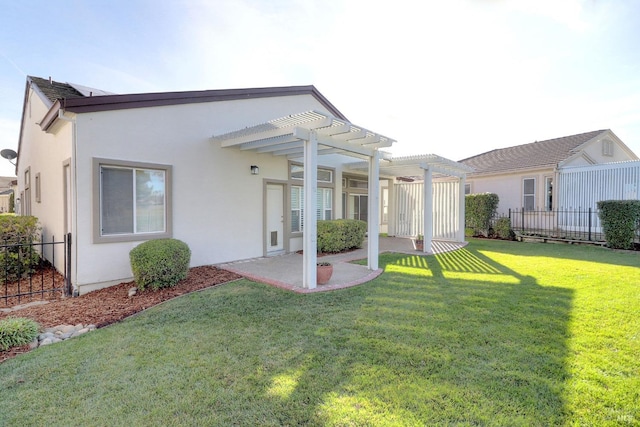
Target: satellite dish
point(8, 154)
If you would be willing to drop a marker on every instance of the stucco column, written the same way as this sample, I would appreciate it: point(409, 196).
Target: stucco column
point(428, 210)
point(310, 232)
point(373, 228)
point(461, 210)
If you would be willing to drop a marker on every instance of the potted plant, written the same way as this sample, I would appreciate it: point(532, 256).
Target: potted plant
point(324, 272)
point(419, 243)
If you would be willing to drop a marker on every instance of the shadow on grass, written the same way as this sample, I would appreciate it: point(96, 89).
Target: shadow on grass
point(453, 338)
point(447, 339)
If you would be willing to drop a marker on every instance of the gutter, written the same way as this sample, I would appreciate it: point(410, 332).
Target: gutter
point(74, 205)
point(54, 113)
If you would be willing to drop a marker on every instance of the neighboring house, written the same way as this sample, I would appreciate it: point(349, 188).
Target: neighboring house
point(225, 171)
point(525, 176)
point(6, 190)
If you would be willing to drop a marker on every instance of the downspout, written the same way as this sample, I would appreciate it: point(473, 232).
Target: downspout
point(74, 204)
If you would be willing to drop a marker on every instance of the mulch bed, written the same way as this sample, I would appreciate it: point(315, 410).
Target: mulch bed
point(109, 305)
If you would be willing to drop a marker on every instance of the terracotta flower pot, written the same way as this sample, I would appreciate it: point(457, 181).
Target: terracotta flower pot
point(419, 245)
point(324, 272)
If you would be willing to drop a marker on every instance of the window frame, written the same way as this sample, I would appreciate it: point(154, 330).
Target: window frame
point(320, 208)
point(38, 188)
point(548, 193)
point(98, 237)
point(525, 195)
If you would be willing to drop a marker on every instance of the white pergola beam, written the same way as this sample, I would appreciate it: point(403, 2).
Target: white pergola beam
point(272, 129)
point(262, 144)
point(294, 143)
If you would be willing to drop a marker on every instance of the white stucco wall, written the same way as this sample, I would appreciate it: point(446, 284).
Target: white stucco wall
point(217, 203)
point(44, 155)
point(509, 188)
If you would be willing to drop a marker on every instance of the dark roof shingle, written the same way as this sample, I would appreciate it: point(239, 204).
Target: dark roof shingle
point(55, 90)
point(535, 154)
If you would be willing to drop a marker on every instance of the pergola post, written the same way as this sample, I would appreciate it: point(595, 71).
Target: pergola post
point(427, 210)
point(373, 227)
point(310, 232)
point(461, 209)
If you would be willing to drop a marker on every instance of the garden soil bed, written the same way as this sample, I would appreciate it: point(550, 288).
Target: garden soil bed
point(109, 305)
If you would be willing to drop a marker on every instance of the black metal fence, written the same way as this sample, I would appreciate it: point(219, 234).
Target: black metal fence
point(29, 270)
point(570, 224)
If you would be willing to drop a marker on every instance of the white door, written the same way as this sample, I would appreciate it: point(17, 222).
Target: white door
point(275, 218)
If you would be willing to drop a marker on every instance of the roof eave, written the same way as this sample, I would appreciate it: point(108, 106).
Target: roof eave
point(142, 100)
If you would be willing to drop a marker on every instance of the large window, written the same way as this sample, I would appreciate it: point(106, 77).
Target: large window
point(324, 206)
point(133, 201)
point(529, 194)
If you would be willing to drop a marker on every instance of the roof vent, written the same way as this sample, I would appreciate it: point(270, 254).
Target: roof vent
point(50, 81)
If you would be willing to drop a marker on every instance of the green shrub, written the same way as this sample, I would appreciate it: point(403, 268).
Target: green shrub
point(503, 229)
point(479, 209)
point(18, 259)
point(340, 235)
point(160, 263)
point(16, 331)
point(620, 222)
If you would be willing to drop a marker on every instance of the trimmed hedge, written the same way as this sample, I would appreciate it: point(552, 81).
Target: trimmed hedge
point(479, 209)
point(18, 260)
point(340, 235)
point(160, 263)
point(620, 221)
point(17, 331)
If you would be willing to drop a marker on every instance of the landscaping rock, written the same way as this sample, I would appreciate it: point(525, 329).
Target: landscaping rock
point(61, 333)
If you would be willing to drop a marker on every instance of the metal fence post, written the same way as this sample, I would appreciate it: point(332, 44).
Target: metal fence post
point(589, 223)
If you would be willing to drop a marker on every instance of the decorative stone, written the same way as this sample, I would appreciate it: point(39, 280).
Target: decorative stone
point(133, 291)
point(60, 333)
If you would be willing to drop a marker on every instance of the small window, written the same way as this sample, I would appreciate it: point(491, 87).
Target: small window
point(38, 187)
point(529, 194)
point(607, 148)
point(132, 201)
point(26, 197)
point(385, 205)
point(467, 189)
point(548, 202)
point(358, 183)
point(324, 175)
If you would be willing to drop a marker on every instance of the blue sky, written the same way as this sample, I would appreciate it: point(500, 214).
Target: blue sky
point(454, 78)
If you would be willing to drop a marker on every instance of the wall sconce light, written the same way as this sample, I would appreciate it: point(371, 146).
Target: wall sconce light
point(255, 170)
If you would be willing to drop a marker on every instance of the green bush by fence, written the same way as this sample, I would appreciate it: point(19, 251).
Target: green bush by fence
point(503, 229)
point(340, 235)
point(16, 331)
point(18, 258)
point(620, 222)
point(160, 263)
point(479, 209)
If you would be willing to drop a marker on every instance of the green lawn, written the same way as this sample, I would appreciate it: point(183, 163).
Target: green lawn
point(498, 333)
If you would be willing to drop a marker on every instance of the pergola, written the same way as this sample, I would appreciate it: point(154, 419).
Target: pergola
point(308, 135)
point(426, 166)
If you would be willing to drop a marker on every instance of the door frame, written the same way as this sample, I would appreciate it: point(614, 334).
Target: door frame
point(265, 209)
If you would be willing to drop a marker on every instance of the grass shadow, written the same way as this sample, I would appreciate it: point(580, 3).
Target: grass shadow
point(457, 338)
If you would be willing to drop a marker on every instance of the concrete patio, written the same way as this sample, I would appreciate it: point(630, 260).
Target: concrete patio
point(285, 271)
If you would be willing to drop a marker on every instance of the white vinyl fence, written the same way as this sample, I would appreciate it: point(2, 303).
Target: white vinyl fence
point(409, 208)
point(582, 187)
